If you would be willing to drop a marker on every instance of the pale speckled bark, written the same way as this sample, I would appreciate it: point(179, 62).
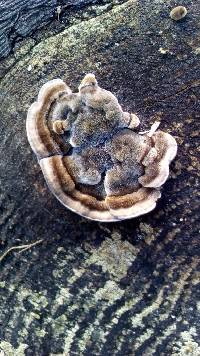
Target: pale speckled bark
point(129, 288)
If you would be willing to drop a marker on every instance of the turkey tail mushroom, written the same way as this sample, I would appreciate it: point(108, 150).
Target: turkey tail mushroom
point(90, 156)
point(38, 133)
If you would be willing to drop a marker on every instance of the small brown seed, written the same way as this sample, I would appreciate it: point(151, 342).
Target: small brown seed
point(178, 13)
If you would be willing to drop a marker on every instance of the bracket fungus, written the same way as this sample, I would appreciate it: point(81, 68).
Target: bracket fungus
point(92, 158)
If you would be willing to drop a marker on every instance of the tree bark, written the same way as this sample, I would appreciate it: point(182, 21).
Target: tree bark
point(128, 288)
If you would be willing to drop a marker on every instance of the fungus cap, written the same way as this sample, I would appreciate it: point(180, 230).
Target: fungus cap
point(92, 159)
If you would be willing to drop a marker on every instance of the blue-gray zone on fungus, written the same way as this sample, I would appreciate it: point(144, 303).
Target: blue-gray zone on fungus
point(128, 288)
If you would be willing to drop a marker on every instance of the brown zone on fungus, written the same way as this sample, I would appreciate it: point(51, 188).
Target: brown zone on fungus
point(91, 158)
point(90, 202)
point(125, 201)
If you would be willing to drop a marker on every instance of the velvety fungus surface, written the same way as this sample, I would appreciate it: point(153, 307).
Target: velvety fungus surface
point(93, 157)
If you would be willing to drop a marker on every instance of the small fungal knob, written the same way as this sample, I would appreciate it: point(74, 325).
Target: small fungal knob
point(178, 13)
point(134, 121)
point(60, 126)
point(88, 81)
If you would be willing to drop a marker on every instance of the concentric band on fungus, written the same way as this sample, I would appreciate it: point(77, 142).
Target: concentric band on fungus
point(153, 160)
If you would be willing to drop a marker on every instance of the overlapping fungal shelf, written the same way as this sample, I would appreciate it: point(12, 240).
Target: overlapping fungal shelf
point(92, 158)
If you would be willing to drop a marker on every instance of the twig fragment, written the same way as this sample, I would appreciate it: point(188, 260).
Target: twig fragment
point(22, 248)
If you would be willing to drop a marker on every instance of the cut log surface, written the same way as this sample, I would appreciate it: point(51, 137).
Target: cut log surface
point(88, 288)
